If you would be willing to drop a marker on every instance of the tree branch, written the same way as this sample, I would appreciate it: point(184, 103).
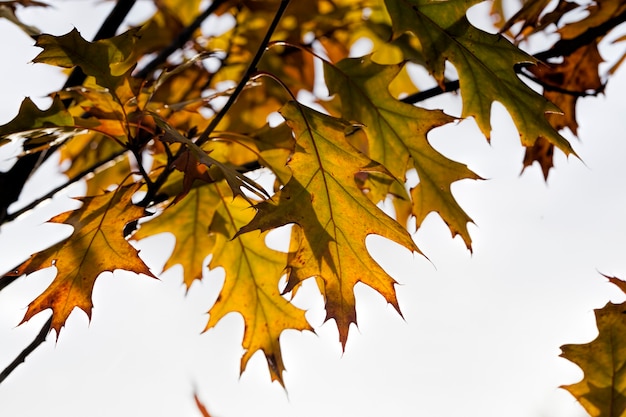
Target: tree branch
point(41, 337)
point(12, 181)
point(14, 215)
point(566, 47)
point(432, 92)
point(246, 77)
point(180, 40)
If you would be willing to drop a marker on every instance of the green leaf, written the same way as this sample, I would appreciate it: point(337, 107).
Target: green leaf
point(602, 390)
point(485, 64)
point(38, 126)
point(396, 135)
point(107, 60)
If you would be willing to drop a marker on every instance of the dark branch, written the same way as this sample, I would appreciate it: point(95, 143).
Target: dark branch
point(180, 40)
point(549, 87)
point(51, 193)
point(12, 181)
point(430, 93)
point(41, 337)
point(246, 77)
point(566, 47)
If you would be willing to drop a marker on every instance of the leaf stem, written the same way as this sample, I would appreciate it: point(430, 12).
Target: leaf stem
point(246, 77)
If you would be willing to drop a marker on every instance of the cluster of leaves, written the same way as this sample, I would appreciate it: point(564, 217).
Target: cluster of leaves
point(164, 121)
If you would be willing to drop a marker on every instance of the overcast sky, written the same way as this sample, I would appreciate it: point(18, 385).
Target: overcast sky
point(480, 335)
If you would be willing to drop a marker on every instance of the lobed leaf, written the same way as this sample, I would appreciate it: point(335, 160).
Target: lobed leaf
point(97, 244)
point(485, 64)
point(396, 134)
point(107, 60)
point(251, 283)
point(601, 392)
point(335, 217)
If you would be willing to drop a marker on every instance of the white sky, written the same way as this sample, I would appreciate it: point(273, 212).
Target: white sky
point(480, 336)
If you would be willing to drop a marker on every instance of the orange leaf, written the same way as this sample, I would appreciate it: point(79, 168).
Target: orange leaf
point(96, 245)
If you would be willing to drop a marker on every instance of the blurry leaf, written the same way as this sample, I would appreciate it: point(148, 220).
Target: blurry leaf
point(107, 60)
point(529, 14)
point(31, 122)
point(597, 13)
point(564, 83)
point(201, 407)
point(7, 10)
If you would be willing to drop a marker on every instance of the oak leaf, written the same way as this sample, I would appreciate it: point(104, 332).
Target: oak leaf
point(324, 201)
point(601, 392)
point(106, 60)
point(97, 244)
point(485, 63)
point(253, 272)
point(38, 127)
point(188, 220)
point(396, 135)
point(598, 13)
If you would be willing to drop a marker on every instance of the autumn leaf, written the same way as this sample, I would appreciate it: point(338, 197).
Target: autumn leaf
point(529, 14)
point(564, 83)
point(237, 181)
point(251, 283)
point(97, 244)
point(485, 63)
point(601, 392)
point(201, 407)
point(188, 220)
point(36, 126)
point(323, 199)
point(107, 60)
point(597, 14)
point(396, 135)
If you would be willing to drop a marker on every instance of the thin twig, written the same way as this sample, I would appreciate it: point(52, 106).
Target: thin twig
point(246, 77)
point(12, 181)
point(549, 87)
point(566, 47)
point(51, 193)
point(41, 337)
point(430, 93)
point(180, 40)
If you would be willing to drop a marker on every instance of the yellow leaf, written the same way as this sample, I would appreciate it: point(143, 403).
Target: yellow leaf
point(250, 287)
point(323, 199)
point(188, 220)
